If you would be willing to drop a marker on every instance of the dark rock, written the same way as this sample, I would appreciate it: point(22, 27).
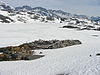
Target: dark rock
point(24, 51)
point(98, 54)
point(69, 27)
point(98, 29)
point(90, 55)
point(34, 57)
point(85, 28)
point(5, 19)
point(41, 44)
point(40, 53)
point(16, 53)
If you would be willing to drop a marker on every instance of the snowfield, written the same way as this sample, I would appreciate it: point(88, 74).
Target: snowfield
point(74, 60)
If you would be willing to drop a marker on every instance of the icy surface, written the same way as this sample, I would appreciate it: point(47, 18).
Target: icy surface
point(73, 60)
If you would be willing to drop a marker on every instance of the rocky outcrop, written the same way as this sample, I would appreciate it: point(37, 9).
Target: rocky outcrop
point(25, 51)
point(51, 44)
point(17, 53)
point(98, 54)
point(79, 27)
point(5, 19)
point(69, 27)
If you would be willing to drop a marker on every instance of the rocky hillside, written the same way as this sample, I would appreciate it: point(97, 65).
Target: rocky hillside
point(5, 7)
point(28, 14)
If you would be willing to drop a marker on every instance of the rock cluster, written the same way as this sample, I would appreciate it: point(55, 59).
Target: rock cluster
point(85, 27)
point(51, 44)
point(25, 51)
point(16, 53)
point(5, 19)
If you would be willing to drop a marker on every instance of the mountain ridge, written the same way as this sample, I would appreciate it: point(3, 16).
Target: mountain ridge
point(28, 14)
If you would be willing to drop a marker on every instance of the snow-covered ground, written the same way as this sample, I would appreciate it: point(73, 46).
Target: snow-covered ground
point(74, 60)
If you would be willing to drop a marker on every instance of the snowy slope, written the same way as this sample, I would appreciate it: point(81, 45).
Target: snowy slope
point(4, 6)
point(26, 14)
point(73, 60)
